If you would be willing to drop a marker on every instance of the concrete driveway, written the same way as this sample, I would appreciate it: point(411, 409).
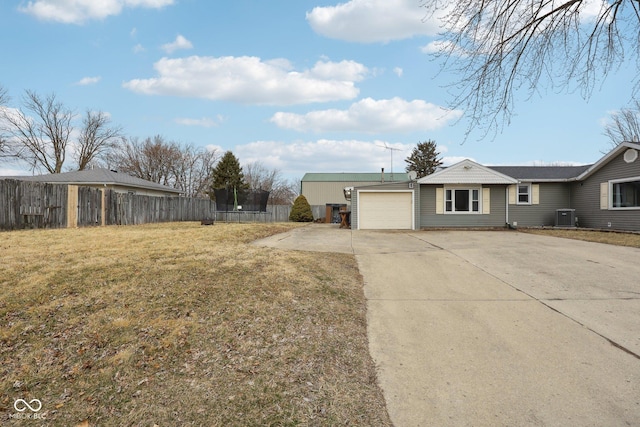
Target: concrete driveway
point(496, 328)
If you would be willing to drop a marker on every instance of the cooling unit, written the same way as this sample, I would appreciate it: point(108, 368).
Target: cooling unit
point(566, 218)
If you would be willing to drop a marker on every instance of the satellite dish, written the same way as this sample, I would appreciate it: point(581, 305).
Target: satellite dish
point(347, 193)
point(413, 175)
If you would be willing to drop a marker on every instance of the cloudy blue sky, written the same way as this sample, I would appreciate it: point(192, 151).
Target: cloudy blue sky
point(302, 86)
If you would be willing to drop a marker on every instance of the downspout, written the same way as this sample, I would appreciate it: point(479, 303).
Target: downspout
point(506, 192)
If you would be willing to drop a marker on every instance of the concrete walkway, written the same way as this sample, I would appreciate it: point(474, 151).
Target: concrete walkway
point(496, 328)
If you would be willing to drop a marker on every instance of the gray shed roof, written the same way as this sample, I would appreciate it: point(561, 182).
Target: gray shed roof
point(354, 177)
point(541, 173)
point(97, 176)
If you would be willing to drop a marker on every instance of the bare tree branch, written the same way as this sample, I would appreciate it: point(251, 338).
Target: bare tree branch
point(259, 177)
point(194, 169)
point(152, 159)
point(4, 143)
point(624, 126)
point(499, 47)
point(96, 138)
point(165, 162)
point(41, 138)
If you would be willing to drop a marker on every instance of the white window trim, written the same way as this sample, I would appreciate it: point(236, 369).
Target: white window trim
point(529, 193)
point(453, 188)
point(612, 195)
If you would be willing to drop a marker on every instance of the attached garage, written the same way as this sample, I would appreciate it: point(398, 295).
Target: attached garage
point(385, 210)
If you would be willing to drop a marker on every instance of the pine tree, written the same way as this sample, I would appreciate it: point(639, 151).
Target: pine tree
point(228, 173)
point(423, 159)
point(301, 210)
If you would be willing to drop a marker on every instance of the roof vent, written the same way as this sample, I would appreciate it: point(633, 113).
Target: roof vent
point(630, 155)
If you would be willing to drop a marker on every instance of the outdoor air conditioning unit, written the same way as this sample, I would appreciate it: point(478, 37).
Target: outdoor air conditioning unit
point(566, 218)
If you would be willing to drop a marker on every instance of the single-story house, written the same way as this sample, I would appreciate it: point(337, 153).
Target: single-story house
point(604, 195)
point(325, 190)
point(104, 178)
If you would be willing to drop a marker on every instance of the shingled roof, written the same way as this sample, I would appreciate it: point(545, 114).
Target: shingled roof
point(541, 173)
point(97, 176)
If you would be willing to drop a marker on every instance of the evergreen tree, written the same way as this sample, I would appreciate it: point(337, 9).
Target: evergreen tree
point(423, 159)
point(301, 210)
point(228, 173)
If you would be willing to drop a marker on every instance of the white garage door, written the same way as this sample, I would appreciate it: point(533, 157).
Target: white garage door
point(385, 211)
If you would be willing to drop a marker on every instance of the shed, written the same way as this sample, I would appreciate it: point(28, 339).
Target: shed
point(105, 178)
point(325, 191)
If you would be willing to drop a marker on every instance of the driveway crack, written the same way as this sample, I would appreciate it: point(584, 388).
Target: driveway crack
point(541, 301)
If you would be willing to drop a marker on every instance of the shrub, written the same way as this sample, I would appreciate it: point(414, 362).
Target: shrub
point(301, 210)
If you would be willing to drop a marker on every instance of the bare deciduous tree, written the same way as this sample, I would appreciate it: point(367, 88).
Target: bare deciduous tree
point(501, 46)
point(4, 96)
point(194, 169)
point(39, 139)
point(624, 125)
point(259, 177)
point(166, 162)
point(97, 138)
point(152, 159)
point(4, 148)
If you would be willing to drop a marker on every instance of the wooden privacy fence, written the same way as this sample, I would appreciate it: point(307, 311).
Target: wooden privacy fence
point(25, 204)
point(124, 209)
point(274, 213)
point(29, 204)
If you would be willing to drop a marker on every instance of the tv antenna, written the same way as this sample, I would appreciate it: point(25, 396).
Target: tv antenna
point(391, 150)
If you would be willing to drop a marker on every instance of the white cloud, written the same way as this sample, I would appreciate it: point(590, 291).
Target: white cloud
point(178, 44)
point(250, 80)
point(398, 71)
point(14, 172)
point(86, 81)
point(325, 155)
point(369, 21)
point(371, 116)
point(445, 47)
point(80, 11)
point(138, 48)
point(206, 122)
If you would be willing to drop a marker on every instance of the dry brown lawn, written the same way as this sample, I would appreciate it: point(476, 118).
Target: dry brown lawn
point(611, 238)
point(180, 324)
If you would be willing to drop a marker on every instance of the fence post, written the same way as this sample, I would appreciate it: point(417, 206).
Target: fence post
point(72, 207)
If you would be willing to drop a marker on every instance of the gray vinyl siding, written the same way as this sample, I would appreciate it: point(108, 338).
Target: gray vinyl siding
point(385, 187)
point(553, 196)
point(429, 218)
point(585, 198)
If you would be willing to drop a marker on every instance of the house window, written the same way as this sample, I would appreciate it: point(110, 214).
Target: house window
point(462, 200)
point(524, 194)
point(626, 194)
